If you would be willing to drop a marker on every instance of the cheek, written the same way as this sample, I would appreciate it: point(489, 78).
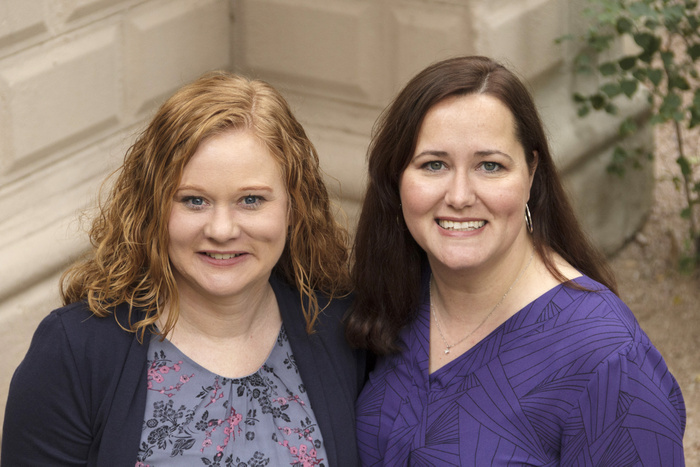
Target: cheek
point(181, 228)
point(416, 198)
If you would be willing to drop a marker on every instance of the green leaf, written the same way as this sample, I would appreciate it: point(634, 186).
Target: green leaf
point(673, 14)
point(629, 87)
point(694, 118)
point(611, 89)
point(658, 119)
point(667, 58)
point(678, 82)
point(655, 76)
point(579, 98)
point(624, 25)
point(685, 213)
point(696, 99)
point(598, 101)
point(685, 166)
point(694, 51)
point(640, 74)
point(651, 24)
point(611, 108)
point(650, 45)
point(639, 9)
point(627, 63)
point(627, 127)
point(583, 111)
point(607, 69)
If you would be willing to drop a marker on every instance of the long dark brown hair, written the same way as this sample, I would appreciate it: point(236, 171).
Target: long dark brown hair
point(387, 262)
point(129, 260)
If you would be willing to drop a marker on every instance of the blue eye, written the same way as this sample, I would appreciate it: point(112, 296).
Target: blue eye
point(193, 201)
point(491, 166)
point(435, 166)
point(252, 201)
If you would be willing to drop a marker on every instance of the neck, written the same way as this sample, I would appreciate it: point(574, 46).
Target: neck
point(225, 320)
point(483, 288)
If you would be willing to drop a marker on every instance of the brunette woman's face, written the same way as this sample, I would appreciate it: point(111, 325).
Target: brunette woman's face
point(464, 190)
point(228, 222)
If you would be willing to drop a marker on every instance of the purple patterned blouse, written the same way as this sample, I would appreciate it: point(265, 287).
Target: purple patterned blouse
point(195, 417)
point(570, 380)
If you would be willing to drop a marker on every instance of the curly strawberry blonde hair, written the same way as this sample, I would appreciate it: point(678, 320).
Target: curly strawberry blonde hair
point(129, 261)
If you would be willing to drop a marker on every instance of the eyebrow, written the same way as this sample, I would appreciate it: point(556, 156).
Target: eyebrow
point(242, 189)
point(482, 153)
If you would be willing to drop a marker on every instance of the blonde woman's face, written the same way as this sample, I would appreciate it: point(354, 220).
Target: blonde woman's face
point(228, 222)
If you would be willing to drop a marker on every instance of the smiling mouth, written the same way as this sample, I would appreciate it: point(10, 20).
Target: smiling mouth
point(223, 256)
point(461, 226)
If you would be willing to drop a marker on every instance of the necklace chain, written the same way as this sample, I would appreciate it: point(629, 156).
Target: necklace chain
point(433, 307)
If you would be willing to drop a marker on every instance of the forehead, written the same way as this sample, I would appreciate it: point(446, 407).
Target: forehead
point(234, 151)
point(469, 117)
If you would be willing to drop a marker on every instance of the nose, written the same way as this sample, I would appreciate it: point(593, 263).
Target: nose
point(459, 191)
point(222, 225)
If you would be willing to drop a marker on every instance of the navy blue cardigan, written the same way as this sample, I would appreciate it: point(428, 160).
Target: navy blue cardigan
point(79, 395)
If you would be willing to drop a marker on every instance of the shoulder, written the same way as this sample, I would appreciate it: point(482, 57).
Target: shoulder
point(598, 305)
point(76, 330)
point(636, 405)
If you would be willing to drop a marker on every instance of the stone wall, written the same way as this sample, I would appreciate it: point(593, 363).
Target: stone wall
point(78, 78)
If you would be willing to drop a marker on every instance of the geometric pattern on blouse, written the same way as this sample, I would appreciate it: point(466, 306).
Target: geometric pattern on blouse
point(195, 417)
point(569, 380)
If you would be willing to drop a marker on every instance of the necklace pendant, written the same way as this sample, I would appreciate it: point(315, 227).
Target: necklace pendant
point(447, 350)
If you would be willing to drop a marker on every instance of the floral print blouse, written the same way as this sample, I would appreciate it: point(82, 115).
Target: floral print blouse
point(195, 417)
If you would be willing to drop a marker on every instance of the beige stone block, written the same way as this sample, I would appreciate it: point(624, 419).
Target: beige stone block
point(522, 33)
point(426, 33)
point(56, 95)
point(169, 43)
point(20, 19)
point(332, 48)
point(73, 9)
point(612, 209)
point(40, 215)
point(342, 157)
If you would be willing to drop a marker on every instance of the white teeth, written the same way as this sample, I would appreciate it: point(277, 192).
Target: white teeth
point(461, 226)
point(222, 256)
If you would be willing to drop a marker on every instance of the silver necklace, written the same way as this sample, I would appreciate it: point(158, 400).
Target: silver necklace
point(432, 308)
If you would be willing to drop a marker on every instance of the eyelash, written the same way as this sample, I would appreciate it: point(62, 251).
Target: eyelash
point(257, 203)
point(187, 201)
point(496, 166)
point(428, 165)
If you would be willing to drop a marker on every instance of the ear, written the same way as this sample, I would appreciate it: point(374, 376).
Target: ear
point(533, 166)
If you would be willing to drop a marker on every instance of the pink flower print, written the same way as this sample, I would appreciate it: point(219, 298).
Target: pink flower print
point(164, 369)
point(301, 455)
point(205, 444)
point(158, 378)
point(176, 367)
point(184, 379)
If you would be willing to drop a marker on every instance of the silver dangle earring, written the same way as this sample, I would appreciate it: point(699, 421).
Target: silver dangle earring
point(528, 219)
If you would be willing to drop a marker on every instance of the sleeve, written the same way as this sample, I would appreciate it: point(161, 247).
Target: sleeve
point(47, 420)
point(631, 413)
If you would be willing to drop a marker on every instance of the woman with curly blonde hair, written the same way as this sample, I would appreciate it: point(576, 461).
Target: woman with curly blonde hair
point(202, 324)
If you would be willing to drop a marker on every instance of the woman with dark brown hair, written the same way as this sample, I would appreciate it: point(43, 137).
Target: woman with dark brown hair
point(204, 327)
point(501, 338)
